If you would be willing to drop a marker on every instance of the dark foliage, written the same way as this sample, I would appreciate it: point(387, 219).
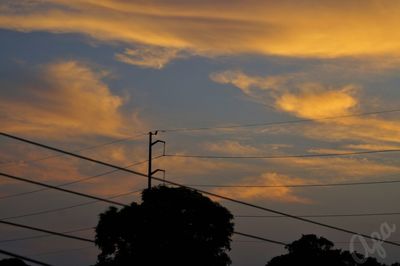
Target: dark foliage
point(313, 251)
point(172, 226)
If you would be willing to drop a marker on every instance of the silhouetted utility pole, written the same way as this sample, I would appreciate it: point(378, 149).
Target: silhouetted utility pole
point(150, 172)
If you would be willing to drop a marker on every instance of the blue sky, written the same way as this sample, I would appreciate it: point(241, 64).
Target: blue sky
point(80, 73)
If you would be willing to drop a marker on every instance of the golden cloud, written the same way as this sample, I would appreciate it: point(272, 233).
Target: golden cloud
point(187, 167)
point(377, 130)
point(231, 147)
point(246, 82)
point(288, 28)
point(282, 194)
point(63, 169)
point(314, 102)
point(319, 169)
point(64, 99)
point(340, 169)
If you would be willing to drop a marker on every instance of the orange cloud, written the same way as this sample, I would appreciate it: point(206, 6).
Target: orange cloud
point(361, 129)
point(319, 169)
point(313, 102)
point(187, 167)
point(64, 99)
point(231, 147)
point(282, 194)
point(246, 83)
point(372, 147)
point(312, 29)
point(340, 169)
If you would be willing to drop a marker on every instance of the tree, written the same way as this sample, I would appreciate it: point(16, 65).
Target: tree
point(313, 251)
point(172, 226)
point(12, 262)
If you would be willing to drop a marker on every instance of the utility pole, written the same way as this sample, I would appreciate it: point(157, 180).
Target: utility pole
point(150, 171)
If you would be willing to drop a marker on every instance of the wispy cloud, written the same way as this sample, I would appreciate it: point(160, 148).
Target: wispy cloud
point(282, 194)
point(312, 100)
point(231, 147)
point(324, 29)
point(66, 98)
point(148, 56)
point(246, 82)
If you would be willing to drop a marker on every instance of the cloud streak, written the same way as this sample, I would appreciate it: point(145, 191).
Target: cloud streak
point(292, 94)
point(148, 57)
point(280, 194)
point(66, 98)
point(313, 29)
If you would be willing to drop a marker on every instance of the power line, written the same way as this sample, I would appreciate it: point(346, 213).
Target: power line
point(47, 231)
point(76, 181)
point(67, 207)
point(44, 235)
point(207, 192)
point(287, 215)
point(79, 150)
point(23, 258)
point(261, 238)
point(92, 241)
point(334, 242)
point(297, 185)
point(280, 156)
point(60, 189)
point(323, 215)
point(77, 193)
point(71, 154)
point(276, 123)
point(63, 251)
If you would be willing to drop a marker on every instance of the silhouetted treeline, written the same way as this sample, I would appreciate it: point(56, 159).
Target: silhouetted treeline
point(311, 250)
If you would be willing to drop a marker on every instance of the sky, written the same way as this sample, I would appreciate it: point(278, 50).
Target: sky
point(96, 76)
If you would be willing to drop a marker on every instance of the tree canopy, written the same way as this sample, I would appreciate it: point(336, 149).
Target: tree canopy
point(172, 226)
point(311, 250)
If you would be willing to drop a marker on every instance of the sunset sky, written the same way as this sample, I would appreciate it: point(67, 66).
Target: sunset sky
point(95, 76)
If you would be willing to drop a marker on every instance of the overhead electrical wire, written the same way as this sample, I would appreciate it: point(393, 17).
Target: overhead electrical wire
point(202, 191)
point(298, 185)
point(71, 154)
point(47, 231)
point(322, 215)
point(65, 250)
point(280, 156)
point(66, 207)
point(11, 254)
point(64, 190)
point(262, 124)
point(60, 189)
point(79, 150)
point(261, 238)
point(92, 241)
point(75, 181)
point(44, 235)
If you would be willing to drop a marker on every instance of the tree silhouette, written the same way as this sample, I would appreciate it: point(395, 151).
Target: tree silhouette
point(12, 262)
point(313, 251)
point(172, 226)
